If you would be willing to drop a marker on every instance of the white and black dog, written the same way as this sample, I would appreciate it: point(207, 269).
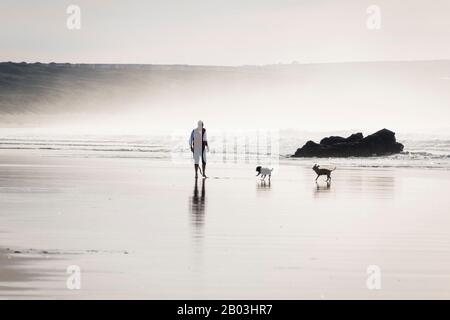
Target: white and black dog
point(264, 172)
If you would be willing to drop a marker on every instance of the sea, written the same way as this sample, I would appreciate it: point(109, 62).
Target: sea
point(250, 147)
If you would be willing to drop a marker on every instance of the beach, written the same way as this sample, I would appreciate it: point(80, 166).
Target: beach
point(108, 108)
point(145, 229)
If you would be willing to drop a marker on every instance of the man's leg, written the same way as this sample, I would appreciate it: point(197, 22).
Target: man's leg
point(196, 163)
point(204, 164)
point(204, 169)
point(196, 170)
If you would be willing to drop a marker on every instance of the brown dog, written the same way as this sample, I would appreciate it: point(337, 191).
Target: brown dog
point(323, 172)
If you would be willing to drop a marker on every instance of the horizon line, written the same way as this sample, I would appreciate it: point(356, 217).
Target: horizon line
point(293, 63)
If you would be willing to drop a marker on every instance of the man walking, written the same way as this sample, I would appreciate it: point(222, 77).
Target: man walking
point(199, 145)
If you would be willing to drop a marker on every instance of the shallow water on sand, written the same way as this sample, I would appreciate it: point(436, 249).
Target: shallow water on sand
point(142, 228)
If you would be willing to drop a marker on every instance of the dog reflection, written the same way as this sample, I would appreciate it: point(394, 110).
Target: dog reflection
point(263, 185)
point(322, 189)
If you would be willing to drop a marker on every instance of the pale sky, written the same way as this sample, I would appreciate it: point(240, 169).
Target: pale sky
point(212, 32)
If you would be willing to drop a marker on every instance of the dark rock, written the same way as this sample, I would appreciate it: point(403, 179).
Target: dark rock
point(380, 143)
point(355, 137)
point(329, 141)
point(332, 140)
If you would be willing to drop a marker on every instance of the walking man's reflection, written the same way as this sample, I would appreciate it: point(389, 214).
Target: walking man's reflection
point(198, 204)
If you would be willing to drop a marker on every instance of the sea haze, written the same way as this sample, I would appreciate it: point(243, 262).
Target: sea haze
point(406, 97)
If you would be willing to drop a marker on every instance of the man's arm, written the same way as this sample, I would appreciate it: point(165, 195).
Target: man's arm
point(205, 140)
point(191, 141)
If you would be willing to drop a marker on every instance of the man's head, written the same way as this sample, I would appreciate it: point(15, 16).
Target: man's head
point(200, 124)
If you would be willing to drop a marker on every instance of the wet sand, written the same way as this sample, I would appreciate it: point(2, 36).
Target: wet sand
point(145, 229)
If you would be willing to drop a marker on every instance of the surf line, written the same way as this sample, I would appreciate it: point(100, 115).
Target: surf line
point(186, 310)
